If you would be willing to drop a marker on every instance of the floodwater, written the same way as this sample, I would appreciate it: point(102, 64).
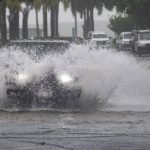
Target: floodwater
point(115, 95)
point(74, 131)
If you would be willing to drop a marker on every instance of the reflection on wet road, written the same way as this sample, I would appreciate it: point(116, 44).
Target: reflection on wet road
point(74, 131)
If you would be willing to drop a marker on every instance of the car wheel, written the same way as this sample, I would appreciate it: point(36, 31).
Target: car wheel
point(139, 53)
point(132, 50)
point(118, 48)
point(23, 102)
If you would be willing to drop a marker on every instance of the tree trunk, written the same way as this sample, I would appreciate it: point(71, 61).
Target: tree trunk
point(54, 21)
point(76, 26)
point(85, 25)
point(91, 11)
point(37, 23)
point(25, 25)
point(14, 24)
point(88, 20)
point(91, 19)
point(45, 31)
point(57, 22)
point(3, 26)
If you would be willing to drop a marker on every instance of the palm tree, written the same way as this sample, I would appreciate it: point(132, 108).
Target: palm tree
point(14, 7)
point(54, 7)
point(74, 8)
point(86, 10)
point(66, 4)
point(37, 5)
point(3, 25)
point(45, 9)
point(26, 8)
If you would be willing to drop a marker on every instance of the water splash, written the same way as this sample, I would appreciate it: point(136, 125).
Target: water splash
point(115, 79)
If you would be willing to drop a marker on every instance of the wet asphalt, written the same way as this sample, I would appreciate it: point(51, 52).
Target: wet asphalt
point(67, 130)
point(75, 130)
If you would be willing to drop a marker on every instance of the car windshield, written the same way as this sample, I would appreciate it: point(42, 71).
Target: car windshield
point(127, 36)
point(97, 36)
point(145, 36)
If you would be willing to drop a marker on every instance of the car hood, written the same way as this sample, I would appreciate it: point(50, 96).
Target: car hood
point(126, 40)
point(101, 40)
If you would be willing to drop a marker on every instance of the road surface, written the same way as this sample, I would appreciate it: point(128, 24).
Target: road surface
point(103, 129)
point(74, 131)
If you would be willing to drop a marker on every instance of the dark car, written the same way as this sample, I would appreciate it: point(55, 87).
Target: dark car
point(52, 90)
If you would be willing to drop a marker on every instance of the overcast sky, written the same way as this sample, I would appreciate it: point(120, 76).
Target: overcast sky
point(66, 16)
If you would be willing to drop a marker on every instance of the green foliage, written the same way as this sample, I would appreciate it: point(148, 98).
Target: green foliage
point(137, 9)
point(66, 3)
point(37, 4)
point(121, 23)
point(52, 3)
point(15, 4)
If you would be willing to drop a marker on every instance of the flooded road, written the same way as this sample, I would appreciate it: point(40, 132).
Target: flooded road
point(74, 131)
point(116, 112)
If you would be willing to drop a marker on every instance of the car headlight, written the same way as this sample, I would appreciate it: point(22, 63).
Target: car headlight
point(65, 78)
point(108, 42)
point(22, 78)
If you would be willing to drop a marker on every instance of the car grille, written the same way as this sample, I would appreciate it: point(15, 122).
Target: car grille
point(101, 43)
point(148, 46)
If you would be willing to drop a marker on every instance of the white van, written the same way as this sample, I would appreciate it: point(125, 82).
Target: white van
point(123, 41)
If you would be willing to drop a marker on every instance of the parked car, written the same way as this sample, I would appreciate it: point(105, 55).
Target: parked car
point(123, 41)
point(140, 41)
point(98, 39)
point(23, 89)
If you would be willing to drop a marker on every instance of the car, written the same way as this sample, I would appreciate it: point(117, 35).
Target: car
point(140, 42)
point(52, 89)
point(123, 41)
point(98, 39)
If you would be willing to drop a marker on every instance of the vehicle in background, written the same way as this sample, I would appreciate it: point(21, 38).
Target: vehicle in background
point(123, 41)
point(140, 41)
point(98, 39)
point(23, 88)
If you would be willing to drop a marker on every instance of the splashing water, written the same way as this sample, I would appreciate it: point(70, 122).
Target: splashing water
point(111, 78)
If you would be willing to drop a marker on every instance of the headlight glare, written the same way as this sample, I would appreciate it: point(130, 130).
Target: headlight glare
point(23, 78)
point(65, 78)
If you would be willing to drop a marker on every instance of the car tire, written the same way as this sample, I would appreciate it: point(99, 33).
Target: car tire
point(24, 102)
point(132, 50)
point(118, 48)
point(139, 53)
